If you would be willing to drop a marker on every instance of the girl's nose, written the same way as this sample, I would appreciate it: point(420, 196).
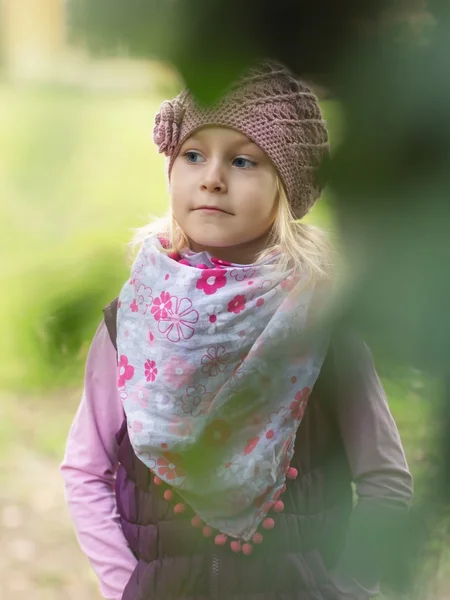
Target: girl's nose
point(213, 180)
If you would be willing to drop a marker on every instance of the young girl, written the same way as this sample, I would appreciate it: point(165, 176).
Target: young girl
point(212, 456)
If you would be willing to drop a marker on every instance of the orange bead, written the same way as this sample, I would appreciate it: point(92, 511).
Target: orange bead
point(179, 508)
point(207, 531)
point(196, 521)
point(292, 473)
point(268, 523)
point(168, 495)
point(247, 549)
point(157, 480)
point(257, 538)
point(278, 506)
point(221, 539)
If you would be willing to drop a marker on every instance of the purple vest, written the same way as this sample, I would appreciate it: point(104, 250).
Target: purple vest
point(176, 562)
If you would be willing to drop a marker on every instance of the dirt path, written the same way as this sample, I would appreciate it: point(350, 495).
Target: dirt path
point(39, 555)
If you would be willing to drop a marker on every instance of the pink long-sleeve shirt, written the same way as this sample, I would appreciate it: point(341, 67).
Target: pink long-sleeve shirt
point(89, 467)
point(368, 431)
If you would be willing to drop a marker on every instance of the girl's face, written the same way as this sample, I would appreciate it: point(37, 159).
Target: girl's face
point(223, 189)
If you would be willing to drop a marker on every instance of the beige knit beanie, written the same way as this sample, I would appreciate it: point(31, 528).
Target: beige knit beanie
point(275, 110)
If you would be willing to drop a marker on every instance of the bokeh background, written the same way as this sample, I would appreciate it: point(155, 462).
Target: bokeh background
point(78, 171)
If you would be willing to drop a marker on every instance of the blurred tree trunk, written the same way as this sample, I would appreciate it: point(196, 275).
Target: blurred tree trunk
point(32, 36)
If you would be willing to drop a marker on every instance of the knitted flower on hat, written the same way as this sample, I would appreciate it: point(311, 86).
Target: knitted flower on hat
point(166, 131)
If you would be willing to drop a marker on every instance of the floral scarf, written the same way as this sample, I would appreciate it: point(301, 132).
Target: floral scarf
point(213, 382)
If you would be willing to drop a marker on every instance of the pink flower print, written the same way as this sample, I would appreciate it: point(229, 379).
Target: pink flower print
point(180, 426)
point(168, 466)
point(162, 306)
point(217, 433)
point(144, 298)
point(179, 322)
point(134, 306)
point(278, 418)
point(126, 371)
point(237, 304)
point(288, 284)
point(123, 394)
point(242, 273)
point(238, 499)
point(141, 263)
point(265, 290)
point(214, 315)
point(178, 372)
point(214, 361)
point(299, 320)
point(211, 280)
point(140, 395)
point(238, 373)
point(251, 445)
point(150, 370)
point(297, 407)
point(138, 426)
point(147, 459)
point(195, 401)
point(229, 471)
point(220, 263)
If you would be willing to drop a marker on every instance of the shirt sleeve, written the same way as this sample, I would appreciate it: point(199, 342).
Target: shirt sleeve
point(383, 482)
point(89, 467)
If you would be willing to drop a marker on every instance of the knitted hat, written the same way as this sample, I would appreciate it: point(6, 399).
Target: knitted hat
point(275, 110)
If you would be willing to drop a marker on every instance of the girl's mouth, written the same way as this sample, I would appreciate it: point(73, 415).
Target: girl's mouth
point(212, 209)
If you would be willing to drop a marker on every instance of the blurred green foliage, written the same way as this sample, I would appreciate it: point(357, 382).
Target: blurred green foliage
point(78, 171)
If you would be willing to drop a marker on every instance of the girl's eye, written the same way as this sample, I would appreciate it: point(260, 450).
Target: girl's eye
point(243, 163)
point(193, 157)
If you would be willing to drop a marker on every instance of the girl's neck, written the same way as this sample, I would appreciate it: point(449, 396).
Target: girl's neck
point(241, 254)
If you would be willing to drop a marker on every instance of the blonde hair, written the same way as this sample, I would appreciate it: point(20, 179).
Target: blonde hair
point(302, 246)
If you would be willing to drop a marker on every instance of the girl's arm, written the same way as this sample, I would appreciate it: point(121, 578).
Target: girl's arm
point(89, 469)
point(377, 461)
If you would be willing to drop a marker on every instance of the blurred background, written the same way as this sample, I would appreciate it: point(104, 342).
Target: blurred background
point(78, 171)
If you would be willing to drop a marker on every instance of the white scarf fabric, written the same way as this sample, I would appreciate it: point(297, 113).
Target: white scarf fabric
point(213, 383)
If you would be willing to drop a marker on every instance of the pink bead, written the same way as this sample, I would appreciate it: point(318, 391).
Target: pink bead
point(257, 538)
point(196, 521)
point(236, 545)
point(221, 539)
point(268, 523)
point(179, 508)
point(168, 495)
point(292, 473)
point(268, 506)
point(278, 506)
point(207, 531)
point(247, 549)
point(157, 480)
point(283, 489)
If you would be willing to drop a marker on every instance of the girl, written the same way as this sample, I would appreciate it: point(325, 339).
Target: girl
point(229, 437)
